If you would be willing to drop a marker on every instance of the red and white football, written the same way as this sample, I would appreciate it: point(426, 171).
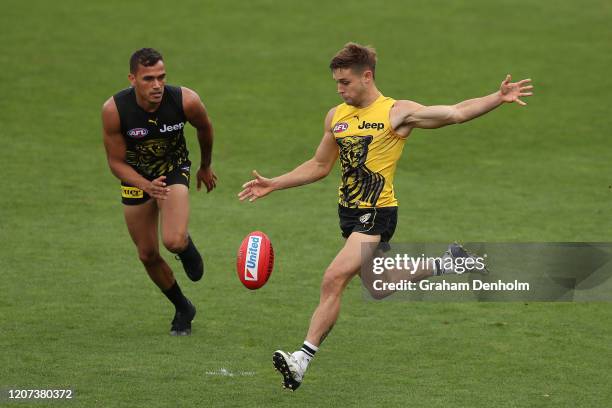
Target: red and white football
point(255, 260)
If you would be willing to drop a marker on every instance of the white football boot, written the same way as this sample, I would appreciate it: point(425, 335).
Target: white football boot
point(291, 368)
point(454, 252)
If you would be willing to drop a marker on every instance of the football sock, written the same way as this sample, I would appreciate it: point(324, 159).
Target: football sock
point(192, 261)
point(190, 252)
point(306, 353)
point(175, 295)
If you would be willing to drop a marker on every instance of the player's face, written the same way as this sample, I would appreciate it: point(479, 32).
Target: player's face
point(351, 85)
point(149, 82)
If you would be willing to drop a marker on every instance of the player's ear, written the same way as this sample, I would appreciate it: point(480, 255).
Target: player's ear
point(132, 78)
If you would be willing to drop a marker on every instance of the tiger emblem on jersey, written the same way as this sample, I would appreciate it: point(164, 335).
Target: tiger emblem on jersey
point(155, 157)
point(360, 185)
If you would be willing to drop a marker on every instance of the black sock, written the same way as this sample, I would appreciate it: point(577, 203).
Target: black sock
point(175, 295)
point(190, 252)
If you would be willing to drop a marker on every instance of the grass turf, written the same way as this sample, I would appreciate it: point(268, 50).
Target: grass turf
point(77, 309)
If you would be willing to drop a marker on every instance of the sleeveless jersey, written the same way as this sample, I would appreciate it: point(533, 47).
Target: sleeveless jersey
point(155, 144)
point(369, 151)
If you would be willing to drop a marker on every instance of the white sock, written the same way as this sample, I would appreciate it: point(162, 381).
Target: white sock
point(444, 266)
point(306, 353)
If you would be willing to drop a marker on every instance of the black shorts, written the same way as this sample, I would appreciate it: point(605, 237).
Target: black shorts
point(371, 221)
point(131, 195)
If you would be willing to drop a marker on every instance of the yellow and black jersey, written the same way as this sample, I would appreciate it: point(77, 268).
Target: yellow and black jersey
point(155, 144)
point(369, 151)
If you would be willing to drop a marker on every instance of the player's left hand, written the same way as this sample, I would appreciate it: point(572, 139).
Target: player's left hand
point(207, 176)
point(513, 91)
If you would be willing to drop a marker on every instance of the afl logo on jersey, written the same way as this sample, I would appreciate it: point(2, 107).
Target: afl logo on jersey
point(138, 133)
point(340, 127)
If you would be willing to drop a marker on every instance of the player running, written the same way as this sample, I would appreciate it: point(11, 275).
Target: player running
point(145, 147)
point(368, 132)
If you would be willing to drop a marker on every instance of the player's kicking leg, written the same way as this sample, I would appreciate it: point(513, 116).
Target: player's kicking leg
point(358, 248)
point(343, 268)
point(175, 217)
point(142, 220)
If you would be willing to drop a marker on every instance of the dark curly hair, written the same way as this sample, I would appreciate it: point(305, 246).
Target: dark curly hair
point(145, 57)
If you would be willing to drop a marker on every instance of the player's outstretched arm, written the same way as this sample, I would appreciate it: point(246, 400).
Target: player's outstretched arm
point(308, 172)
point(198, 117)
point(115, 154)
point(415, 115)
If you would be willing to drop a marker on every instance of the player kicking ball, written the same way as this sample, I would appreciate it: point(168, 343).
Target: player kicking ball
point(368, 132)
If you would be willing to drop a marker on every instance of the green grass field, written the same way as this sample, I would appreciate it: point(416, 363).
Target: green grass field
point(77, 309)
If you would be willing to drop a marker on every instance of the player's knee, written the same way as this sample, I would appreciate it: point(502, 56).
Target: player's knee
point(333, 282)
point(175, 243)
point(148, 256)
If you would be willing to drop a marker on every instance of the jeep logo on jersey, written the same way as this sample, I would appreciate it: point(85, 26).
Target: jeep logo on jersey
point(252, 259)
point(170, 128)
point(340, 127)
point(137, 133)
point(366, 125)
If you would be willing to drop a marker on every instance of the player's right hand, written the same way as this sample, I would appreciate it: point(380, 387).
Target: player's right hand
point(257, 188)
point(157, 188)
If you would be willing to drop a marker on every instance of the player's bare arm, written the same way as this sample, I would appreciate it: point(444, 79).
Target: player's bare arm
point(115, 154)
point(198, 117)
point(308, 172)
point(407, 115)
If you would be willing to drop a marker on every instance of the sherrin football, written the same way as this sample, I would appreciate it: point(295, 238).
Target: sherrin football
point(255, 260)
